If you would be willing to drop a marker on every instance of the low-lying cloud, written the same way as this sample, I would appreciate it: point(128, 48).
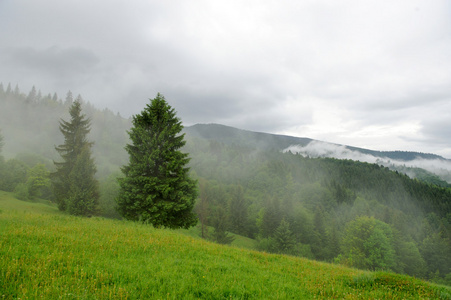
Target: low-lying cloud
point(440, 167)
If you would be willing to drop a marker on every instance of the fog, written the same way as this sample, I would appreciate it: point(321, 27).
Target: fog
point(440, 167)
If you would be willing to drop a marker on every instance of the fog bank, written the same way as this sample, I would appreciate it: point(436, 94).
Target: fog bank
point(440, 167)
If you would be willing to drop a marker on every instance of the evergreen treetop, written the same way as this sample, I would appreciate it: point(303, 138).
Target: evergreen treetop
point(156, 187)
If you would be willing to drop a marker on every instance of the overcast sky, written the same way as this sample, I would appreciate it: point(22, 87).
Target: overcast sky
point(372, 74)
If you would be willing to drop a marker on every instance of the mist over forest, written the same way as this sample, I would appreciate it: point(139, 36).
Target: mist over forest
point(290, 195)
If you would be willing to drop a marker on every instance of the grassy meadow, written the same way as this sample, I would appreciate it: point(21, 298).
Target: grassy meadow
point(48, 255)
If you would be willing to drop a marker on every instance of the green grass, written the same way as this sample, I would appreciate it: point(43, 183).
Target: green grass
point(48, 255)
point(239, 241)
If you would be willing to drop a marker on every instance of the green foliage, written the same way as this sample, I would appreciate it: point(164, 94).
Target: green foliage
point(409, 259)
point(436, 251)
point(284, 238)
point(84, 190)
point(12, 173)
point(202, 207)
point(47, 255)
point(75, 188)
point(220, 224)
point(37, 180)
point(418, 213)
point(271, 218)
point(319, 197)
point(156, 187)
point(109, 190)
point(38, 134)
point(368, 244)
point(238, 210)
point(21, 192)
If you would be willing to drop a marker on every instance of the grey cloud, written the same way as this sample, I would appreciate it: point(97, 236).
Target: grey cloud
point(54, 60)
point(271, 66)
point(438, 130)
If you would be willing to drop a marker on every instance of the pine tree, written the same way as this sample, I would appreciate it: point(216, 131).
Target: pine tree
point(74, 176)
point(202, 207)
point(284, 238)
point(220, 225)
point(238, 210)
point(156, 187)
point(271, 218)
point(84, 188)
point(8, 89)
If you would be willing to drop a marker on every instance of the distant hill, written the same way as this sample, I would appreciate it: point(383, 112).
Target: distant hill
point(230, 135)
point(427, 167)
point(266, 141)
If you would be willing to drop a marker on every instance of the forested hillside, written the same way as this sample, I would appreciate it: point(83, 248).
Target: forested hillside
point(353, 213)
point(265, 141)
point(30, 125)
point(349, 212)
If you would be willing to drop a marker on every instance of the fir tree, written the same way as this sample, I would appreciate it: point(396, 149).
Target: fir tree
point(271, 218)
point(284, 238)
point(74, 176)
point(220, 225)
point(202, 207)
point(156, 187)
point(238, 210)
point(8, 89)
point(84, 188)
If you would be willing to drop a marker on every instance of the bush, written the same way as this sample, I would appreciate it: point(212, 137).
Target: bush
point(21, 192)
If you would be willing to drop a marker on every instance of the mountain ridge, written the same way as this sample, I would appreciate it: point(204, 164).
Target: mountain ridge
point(229, 135)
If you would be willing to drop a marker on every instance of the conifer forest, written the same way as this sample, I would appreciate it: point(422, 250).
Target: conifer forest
point(358, 214)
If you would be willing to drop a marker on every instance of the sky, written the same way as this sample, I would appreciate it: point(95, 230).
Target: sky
point(374, 74)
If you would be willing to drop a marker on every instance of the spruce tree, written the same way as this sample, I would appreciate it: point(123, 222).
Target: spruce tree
point(156, 187)
point(284, 238)
point(238, 210)
point(202, 207)
point(220, 225)
point(74, 184)
point(84, 189)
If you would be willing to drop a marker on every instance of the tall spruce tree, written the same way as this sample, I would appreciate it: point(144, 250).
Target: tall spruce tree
point(75, 187)
point(156, 187)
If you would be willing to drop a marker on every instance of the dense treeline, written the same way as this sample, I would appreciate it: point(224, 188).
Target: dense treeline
point(30, 125)
point(30, 132)
point(342, 211)
point(355, 213)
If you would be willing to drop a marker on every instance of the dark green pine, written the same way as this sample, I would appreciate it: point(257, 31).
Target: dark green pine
point(156, 187)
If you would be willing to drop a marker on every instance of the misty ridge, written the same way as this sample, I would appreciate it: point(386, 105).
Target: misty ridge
point(317, 149)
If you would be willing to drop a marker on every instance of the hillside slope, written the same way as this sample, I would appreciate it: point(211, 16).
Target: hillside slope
point(49, 255)
point(427, 167)
point(267, 141)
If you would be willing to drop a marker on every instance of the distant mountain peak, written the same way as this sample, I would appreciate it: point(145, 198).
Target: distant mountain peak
point(231, 135)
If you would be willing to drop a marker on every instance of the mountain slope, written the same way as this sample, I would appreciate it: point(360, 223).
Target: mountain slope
point(52, 256)
point(265, 141)
point(427, 167)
